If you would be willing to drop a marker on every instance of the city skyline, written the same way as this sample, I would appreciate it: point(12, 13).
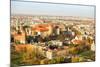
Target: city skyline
point(36, 8)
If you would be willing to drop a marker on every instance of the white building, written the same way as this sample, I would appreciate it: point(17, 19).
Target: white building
point(49, 54)
point(93, 47)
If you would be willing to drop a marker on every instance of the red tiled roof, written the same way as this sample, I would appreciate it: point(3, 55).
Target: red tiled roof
point(41, 27)
point(77, 41)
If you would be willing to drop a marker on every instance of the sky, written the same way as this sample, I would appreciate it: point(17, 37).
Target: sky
point(36, 8)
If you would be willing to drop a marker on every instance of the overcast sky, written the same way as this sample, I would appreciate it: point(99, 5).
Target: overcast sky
point(33, 8)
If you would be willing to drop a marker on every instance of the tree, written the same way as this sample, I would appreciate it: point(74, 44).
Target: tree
point(73, 50)
point(75, 59)
point(88, 55)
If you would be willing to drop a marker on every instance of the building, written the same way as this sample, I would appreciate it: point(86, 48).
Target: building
point(19, 38)
point(93, 47)
point(42, 29)
point(49, 54)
